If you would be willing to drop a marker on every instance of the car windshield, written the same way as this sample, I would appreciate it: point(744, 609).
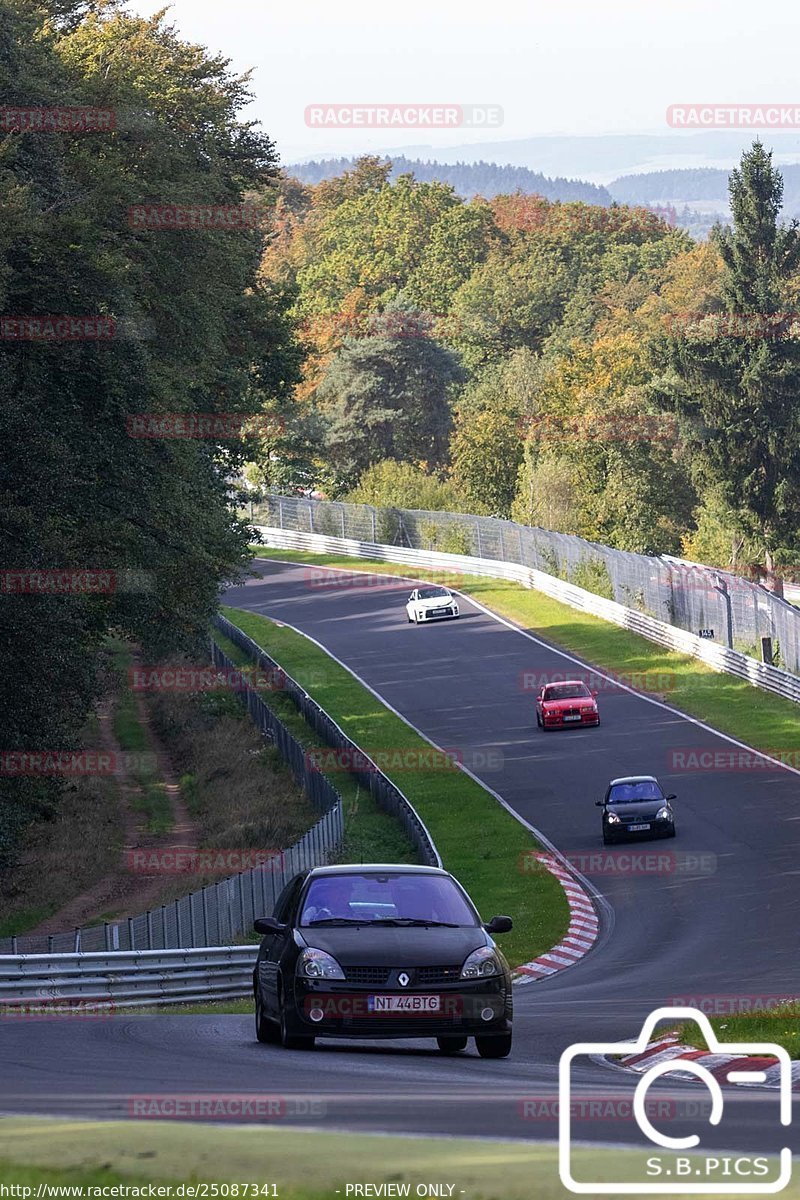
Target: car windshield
point(433, 593)
point(566, 691)
point(627, 793)
point(400, 898)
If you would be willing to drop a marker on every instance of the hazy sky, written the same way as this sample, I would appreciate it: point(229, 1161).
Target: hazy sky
point(581, 67)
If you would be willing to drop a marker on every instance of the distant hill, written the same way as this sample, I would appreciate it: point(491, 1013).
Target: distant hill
point(697, 185)
point(468, 179)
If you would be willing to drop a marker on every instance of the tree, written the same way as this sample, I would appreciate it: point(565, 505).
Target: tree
point(387, 395)
point(194, 332)
point(734, 374)
point(391, 484)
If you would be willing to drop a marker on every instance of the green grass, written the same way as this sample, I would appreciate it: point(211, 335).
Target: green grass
point(479, 841)
point(780, 1024)
point(152, 799)
point(731, 705)
point(304, 1165)
point(371, 835)
point(24, 919)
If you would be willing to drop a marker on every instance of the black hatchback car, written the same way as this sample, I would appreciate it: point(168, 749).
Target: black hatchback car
point(381, 951)
point(635, 806)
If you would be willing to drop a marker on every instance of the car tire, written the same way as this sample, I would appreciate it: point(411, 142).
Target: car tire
point(451, 1045)
point(538, 720)
point(671, 832)
point(498, 1046)
point(291, 1041)
point(266, 1030)
point(607, 841)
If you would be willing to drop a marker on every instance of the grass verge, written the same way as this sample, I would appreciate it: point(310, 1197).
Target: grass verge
point(370, 835)
point(780, 1024)
point(303, 1165)
point(481, 843)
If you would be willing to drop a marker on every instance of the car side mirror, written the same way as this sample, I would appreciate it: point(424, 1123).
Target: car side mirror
point(599, 803)
point(268, 925)
point(671, 796)
point(595, 694)
point(499, 925)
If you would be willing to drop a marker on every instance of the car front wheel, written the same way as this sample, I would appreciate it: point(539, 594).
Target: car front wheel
point(498, 1046)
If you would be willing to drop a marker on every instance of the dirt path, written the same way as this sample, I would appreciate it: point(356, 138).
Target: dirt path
point(126, 893)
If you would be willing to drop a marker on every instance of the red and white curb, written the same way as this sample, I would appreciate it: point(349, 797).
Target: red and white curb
point(766, 1070)
point(580, 936)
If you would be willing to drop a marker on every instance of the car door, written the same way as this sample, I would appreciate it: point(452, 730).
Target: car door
point(274, 944)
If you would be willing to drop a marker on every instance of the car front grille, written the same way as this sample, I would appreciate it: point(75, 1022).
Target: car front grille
point(420, 976)
point(368, 976)
point(431, 976)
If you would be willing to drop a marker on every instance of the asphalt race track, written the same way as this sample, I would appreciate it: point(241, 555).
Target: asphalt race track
point(725, 924)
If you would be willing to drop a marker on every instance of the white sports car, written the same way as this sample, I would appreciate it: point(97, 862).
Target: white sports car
point(431, 604)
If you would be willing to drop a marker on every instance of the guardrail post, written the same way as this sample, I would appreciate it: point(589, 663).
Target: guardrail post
point(178, 924)
point(164, 925)
point(478, 534)
point(77, 944)
point(50, 944)
point(14, 944)
point(204, 894)
point(149, 929)
point(374, 526)
point(131, 935)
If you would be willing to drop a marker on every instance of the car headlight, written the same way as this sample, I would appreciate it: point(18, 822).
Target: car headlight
point(316, 964)
point(612, 818)
point(480, 964)
point(664, 814)
point(589, 708)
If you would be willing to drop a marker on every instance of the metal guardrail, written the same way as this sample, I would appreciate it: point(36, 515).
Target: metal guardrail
point(39, 985)
point(731, 662)
point(684, 595)
point(386, 794)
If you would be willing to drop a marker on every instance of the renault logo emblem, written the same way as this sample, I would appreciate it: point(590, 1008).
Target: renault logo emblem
point(403, 979)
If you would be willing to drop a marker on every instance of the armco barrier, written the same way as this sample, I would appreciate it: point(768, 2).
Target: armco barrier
point(731, 662)
point(33, 985)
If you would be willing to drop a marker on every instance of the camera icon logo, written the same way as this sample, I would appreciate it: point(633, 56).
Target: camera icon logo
point(686, 1176)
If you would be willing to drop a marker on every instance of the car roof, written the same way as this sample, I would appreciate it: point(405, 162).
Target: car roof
point(565, 683)
point(377, 869)
point(634, 779)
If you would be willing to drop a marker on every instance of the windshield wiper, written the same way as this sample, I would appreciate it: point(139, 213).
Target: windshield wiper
point(411, 921)
point(336, 921)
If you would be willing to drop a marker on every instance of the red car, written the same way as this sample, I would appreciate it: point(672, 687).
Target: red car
point(559, 705)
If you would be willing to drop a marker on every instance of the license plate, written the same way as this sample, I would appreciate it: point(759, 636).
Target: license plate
point(637, 828)
point(439, 612)
point(404, 1004)
point(572, 718)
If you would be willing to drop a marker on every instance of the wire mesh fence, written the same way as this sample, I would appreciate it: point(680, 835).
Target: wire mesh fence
point(711, 603)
